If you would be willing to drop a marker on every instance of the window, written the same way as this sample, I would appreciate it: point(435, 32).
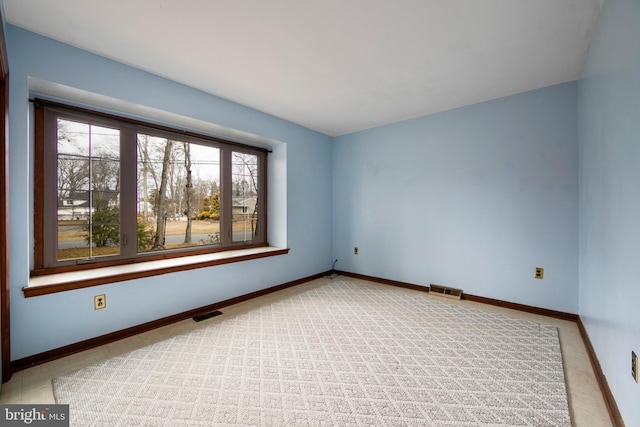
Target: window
point(112, 190)
point(245, 195)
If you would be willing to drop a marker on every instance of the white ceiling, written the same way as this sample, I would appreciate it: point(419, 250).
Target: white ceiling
point(336, 66)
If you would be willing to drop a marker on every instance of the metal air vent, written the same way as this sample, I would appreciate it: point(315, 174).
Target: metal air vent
point(444, 291)
point(201, 317)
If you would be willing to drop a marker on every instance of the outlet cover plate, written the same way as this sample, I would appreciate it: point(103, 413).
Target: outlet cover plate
point(634, 365)
point(99, 302)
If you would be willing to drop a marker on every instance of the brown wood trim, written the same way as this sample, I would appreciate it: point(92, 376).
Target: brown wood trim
point(610, 402)
point(136, 122)
point(27, 362)
point(612, 407)
point(32, 291)
point(265, 198)
point(143, 257)
point(469, 297)
point(522, 307)
point(38, 188)
point(4, 61)
point(47, 356)
point(5, 329)
point(383, 281)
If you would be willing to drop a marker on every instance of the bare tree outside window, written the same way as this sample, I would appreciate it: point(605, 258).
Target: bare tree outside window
point(88, 166)
point(245, 196)
point(188, 192)
point(161, 208)
point(167, 180)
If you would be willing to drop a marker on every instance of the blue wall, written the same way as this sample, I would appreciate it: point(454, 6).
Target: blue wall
point(474, 198)
point(609, 129)
point(301, 212)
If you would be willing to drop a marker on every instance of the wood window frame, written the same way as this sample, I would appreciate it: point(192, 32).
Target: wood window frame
point(42, 232)
point(4, 210)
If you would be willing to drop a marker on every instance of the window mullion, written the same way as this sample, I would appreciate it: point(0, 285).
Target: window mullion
point(262, 197)
point(226, 192)
point(50, 187)
point(128, 192)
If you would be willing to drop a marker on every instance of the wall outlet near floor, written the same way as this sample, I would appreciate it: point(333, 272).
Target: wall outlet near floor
point(539, 274)
point(634, 365)
point(356, 251)
point(99, 301)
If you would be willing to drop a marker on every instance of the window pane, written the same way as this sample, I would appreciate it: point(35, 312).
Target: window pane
point(178, 194)
point(71, 239)
point(244, 181)
point(88, 178)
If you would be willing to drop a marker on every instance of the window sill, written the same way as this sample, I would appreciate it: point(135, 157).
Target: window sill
point(61, 282)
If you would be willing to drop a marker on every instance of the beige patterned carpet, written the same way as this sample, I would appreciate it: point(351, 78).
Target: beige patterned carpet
point(343, 354)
